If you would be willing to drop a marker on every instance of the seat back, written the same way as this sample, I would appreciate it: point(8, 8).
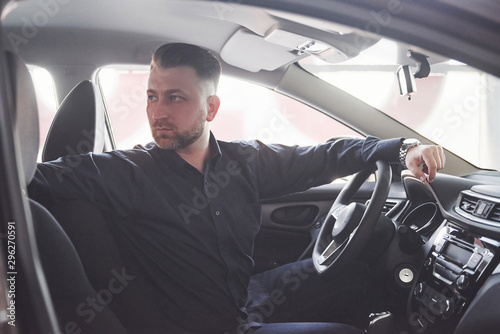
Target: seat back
point(79, 125)
point(78, 128)
point(67, 282)
point(70, 290)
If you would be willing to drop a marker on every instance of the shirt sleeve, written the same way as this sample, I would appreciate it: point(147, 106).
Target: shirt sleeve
point(286, 169)
point(95, 177)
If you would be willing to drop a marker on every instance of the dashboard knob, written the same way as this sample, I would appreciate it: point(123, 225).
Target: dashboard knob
point(462, 282)
point(428, 263)
point(419, 290)
point(448, 309)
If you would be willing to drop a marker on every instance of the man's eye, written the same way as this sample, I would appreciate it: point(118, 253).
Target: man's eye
point(175, 98)
point(151, 97)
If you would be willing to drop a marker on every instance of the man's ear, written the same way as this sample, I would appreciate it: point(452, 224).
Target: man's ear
point(213, 103)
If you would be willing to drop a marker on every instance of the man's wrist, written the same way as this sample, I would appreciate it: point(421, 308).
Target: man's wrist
point(403, 151)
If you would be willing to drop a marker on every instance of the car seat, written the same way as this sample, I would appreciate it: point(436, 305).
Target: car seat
point(79, 125)
point(79, 128)
point(66, 279)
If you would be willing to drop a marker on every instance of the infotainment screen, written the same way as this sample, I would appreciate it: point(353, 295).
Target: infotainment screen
point(457, 254)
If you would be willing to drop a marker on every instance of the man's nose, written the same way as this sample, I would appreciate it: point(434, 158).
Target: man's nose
point(160, 111)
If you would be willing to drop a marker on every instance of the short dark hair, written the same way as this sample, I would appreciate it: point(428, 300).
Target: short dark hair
point(207, 67)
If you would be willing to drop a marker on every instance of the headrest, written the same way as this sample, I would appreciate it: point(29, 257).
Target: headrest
point(79, 124)
point(26, 127)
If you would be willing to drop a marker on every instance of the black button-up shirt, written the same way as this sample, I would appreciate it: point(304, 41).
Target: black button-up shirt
point(189, 236)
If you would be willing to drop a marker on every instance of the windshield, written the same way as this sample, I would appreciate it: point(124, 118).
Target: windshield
point(456, 106)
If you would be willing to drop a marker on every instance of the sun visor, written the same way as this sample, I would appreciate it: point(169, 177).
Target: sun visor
point(253, 53)
point(282, 45)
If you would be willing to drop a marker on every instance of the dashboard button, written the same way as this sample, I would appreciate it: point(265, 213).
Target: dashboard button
point(474, 260)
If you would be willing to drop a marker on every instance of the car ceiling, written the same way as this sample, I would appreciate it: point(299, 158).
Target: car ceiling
point(249, 38)
point(115, 30)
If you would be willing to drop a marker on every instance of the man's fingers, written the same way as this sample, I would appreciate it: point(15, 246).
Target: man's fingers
point(426, 159)
point(419, 174)
point(442, 157)
point(432, 169)
point(436, 160)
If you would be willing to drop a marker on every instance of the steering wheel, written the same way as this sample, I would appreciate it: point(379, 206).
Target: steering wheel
point(348, 225)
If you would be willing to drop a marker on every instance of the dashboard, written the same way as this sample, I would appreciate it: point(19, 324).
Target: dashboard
point(457, 286)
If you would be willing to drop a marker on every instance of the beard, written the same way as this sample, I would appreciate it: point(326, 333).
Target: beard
point(174, 140)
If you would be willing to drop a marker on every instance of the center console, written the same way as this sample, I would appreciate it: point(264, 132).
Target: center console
point(452, 273)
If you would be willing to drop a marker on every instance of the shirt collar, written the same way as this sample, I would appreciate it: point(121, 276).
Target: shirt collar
point(172, 156)
point(215, 152)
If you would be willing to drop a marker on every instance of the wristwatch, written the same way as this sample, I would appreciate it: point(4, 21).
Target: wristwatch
point(407, 144)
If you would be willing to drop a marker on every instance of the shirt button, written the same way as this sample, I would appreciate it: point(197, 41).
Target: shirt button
point(217, 213)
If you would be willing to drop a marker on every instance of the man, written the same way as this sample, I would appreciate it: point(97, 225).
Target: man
point(185, 210)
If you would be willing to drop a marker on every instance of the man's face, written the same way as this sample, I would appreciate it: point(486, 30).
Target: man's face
point(178, 107)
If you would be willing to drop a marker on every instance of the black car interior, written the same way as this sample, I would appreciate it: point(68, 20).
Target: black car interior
point(457, 274)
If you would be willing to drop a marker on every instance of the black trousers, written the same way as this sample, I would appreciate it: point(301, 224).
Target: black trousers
point(308, 303)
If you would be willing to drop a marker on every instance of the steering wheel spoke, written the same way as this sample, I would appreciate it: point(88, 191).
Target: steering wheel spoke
point(332, 249)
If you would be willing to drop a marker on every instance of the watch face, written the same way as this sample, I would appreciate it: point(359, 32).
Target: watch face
point(411, 142)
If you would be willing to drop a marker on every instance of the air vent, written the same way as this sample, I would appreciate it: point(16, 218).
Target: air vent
point(468, 204)
point(479, 207)
point(495, 213)
point(391, 207)
point(388, 206)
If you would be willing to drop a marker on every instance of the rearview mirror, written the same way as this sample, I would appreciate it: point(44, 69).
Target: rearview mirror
point(406, 81)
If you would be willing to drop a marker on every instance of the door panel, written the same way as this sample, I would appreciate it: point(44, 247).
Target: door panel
point(291, 223)
point(295, 215)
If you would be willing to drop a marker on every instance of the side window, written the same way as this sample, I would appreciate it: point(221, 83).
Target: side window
point(247, 111)
point(124, 92)
point(46, 101)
